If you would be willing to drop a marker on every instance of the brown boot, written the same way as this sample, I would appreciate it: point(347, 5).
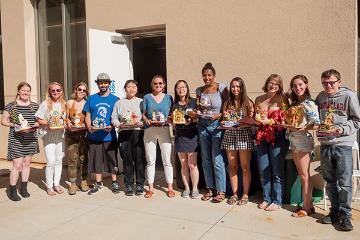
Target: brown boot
point(73, 188)
point(84, 186)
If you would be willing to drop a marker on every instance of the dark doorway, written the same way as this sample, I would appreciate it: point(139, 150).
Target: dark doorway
point(149, 59)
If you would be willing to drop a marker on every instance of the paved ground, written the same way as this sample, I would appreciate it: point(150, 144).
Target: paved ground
point(109, 216)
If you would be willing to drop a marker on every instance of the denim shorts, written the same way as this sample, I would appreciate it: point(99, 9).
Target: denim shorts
point(301, 141)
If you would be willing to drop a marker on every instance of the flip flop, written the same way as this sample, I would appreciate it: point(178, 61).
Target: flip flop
point(232, 200)
point(272, 207)
point(303, 213)
point(263, 205)
point(208, 195)
point(149, 194)
point(218, 198)
point(171, 194)
point(243, 201)
point(299, 214)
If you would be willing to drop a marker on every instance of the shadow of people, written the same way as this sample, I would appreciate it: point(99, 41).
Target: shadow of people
point(37, 175)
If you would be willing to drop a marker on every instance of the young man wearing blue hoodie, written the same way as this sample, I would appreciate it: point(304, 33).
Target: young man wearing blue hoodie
point(336, 151)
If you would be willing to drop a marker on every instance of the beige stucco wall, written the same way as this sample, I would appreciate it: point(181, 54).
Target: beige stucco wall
point(19, 55)
point(247, 38)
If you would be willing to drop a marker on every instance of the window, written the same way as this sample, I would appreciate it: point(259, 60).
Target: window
point(62, 43)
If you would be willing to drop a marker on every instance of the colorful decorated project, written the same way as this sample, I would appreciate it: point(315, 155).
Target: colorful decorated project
point(158, 117)
point(205, 102)
point(231, 118)
point(131, 120)
point(21, 124)
point(267, 132)
point(179, 117)
point(327, 127)
point(56, 119)
point(205, 105)
point(294, 116)
point(77, 120)
point(260, 114)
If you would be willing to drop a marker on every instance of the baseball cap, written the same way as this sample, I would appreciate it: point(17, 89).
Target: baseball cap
point(103, 77)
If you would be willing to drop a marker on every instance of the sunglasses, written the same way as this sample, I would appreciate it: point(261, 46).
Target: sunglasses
point(55, 90)
point(81, 90)
point(331, 83)
point(158, 83)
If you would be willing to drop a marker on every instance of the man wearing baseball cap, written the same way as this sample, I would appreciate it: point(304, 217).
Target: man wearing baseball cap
point(101, 135)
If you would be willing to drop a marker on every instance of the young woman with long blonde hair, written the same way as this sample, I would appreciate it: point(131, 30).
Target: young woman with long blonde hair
point(51, 118)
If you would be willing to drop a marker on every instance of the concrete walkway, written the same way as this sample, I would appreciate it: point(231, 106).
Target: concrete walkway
point(109, 216)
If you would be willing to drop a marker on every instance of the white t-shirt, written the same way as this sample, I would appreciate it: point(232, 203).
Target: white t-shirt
point(44, 113)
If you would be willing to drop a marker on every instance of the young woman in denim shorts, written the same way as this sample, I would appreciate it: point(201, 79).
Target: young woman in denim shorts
point(301, 141)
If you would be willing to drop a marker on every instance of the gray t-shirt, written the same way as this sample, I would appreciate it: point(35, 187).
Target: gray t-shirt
point(214, 100)
point(125, 109)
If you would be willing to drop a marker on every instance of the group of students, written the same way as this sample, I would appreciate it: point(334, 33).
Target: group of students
point(95, 149)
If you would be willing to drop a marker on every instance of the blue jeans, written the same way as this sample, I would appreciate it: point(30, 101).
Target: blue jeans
point(271, 160)
point(213, 162)
point(336, 169)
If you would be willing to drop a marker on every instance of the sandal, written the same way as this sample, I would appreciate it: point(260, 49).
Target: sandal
point(232, 200)
point(263, 205)
point(51, 192)
point(219, 197)
point(303, 213)
point(272, 207)
point(149, 194)
point(58, 189)
point(243, 201)
point(299, 214)
point(208, 195)
point(170, 193)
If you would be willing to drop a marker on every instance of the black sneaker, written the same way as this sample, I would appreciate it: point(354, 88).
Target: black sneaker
point(333, 217)
point(139, 190)
point(129, 191)
point(345, 224)
point(97, 187)
point(115, 187)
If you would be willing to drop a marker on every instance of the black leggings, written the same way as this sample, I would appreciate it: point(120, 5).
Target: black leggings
point(131, 146)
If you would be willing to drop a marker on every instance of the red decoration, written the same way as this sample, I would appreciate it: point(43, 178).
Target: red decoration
point(267, 132)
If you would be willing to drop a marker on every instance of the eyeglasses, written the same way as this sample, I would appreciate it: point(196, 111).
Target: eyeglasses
point(158, 83)
point(81, 90)
point(273, 84)
point(331, 83)
point(55, 90)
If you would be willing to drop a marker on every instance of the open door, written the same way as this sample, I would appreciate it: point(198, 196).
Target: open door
point(109, 52)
